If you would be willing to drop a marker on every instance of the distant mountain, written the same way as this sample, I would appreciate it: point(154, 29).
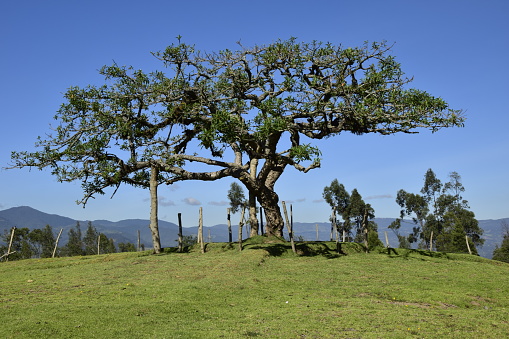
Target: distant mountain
point(127, 230)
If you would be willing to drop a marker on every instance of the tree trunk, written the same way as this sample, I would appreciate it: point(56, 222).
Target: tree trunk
point(253, 220)
point(365, 230)
point(154, 225)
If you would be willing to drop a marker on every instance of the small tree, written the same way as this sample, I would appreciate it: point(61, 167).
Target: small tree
point(126, 247)
point(441, 210)
point(74, 245)
point(502, 253)
point(338, 199)
point(90, 240)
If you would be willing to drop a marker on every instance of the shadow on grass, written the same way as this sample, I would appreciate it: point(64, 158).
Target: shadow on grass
point(412, 253)
point(329, 250)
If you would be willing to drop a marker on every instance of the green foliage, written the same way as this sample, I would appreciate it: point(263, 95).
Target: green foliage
point(251, 101)
point(236, 197)
point(189, 240)
point(90, 240)
point(75, 244)
point(502, 253)
point(28, 243)
point(126, 247)
point(439, 210)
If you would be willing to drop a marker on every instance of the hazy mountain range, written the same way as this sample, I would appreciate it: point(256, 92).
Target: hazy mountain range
point(127, 230)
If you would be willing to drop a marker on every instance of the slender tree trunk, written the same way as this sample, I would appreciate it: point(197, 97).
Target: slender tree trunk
point(253, 220)
point(365, 230)
point(262, 230)
point(154, 225)
point(99, 244)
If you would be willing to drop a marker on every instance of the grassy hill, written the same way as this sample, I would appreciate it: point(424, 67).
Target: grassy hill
point(263, 291)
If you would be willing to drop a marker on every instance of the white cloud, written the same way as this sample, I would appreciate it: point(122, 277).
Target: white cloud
point(318, 201)
point(191, 201)
point(380, 196)
point(165, 202)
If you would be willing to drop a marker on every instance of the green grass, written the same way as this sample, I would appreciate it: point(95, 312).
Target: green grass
point(263, 291)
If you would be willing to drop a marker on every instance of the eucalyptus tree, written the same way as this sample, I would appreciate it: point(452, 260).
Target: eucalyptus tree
point(439, 210)
point(338, 199)
point(260, 106)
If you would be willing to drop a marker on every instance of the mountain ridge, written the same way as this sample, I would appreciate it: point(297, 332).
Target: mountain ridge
point(127, 230)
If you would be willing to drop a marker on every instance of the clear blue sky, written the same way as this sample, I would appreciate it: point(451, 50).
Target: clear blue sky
point(457, 50)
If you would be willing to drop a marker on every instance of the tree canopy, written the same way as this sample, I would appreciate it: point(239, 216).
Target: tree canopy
point(248, 114)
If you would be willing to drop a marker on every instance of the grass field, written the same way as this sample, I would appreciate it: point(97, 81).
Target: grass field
point(263, 291)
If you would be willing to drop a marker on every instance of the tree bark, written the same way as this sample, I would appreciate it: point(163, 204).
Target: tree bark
point(253, 220)
point(154, 224)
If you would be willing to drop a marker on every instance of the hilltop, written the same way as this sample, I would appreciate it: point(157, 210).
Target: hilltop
point(264, 291)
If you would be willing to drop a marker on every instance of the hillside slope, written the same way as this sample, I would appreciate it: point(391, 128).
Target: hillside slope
point(264, 291)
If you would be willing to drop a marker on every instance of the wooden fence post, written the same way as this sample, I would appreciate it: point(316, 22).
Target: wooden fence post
point(431, 242)
point(6, 255)
point(139, 241)
point(316, 232)
point(98, 244)
point(241, 224)
point(289, 226)
point(180, 232)
point(56, 243)
point(228, 218)
point(200, 231)
point(386, 240)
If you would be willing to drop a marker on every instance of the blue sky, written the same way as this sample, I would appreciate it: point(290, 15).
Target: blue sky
point(457, 50)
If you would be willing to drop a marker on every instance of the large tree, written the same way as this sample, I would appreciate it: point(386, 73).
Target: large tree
point(262, 106)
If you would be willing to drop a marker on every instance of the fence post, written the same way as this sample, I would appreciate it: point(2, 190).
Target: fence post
point(56, 243)
point(180, 232)
point(289, 226)
point(200, 231)
point(241, 224)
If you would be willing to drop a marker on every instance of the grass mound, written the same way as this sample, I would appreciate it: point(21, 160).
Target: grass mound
point(263, 291)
